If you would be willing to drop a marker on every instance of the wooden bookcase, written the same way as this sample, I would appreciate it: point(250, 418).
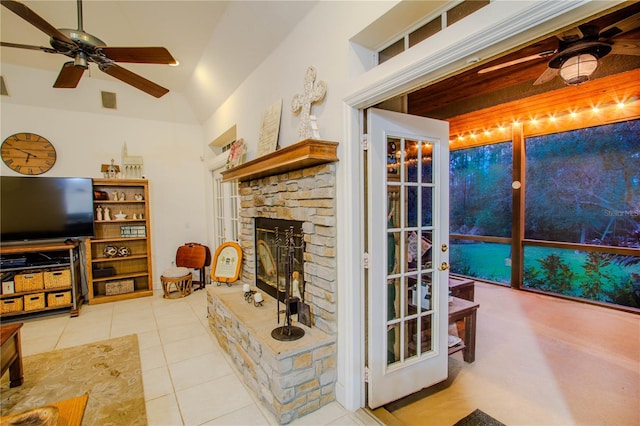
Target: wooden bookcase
point(120, 277)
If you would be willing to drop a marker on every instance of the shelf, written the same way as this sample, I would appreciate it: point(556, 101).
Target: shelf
point(118, 277)
point(118, 259)
point(117, 297)
point(306, 153)
point(120, 182)
point(116, 239)
point(41, 290)
point(36, 267)
point(119, 221)
point(117, 202)
point(35, 311)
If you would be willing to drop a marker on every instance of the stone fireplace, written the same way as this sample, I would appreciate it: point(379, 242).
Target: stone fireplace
point(292, 378)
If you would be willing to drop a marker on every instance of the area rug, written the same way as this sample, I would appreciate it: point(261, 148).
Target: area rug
point(478, 418)
point(109, 371)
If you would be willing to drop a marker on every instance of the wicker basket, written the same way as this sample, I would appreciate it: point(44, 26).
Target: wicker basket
point(11, 305)
point(57, 279)
point(118, 287)
point(58, 298)
point(28, 282)
point(34, 301)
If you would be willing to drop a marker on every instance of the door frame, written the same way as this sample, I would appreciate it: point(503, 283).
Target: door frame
point(499, 27)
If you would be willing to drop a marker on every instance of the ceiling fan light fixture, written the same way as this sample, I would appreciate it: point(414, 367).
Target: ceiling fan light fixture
point(579, 68)
point(80, 60)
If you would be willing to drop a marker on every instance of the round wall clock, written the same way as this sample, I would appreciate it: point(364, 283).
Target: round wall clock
point(28, 153)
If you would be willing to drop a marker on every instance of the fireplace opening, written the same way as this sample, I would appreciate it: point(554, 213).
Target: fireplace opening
point(272, 257)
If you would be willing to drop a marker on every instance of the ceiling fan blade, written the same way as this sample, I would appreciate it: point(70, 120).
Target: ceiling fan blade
point(626, 47)
point(627, 24)
point(28, 46)
point(69, 76)
point(548, 75)
point(34, 19)
point(544, 54)
point(134, 80)
point(139, 55)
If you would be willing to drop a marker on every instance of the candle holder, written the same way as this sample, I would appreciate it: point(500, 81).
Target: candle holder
point(287, 332)
point(257, 299)
point(248, 293)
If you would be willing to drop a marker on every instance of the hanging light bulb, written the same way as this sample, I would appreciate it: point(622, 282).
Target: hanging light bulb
point(578, 69)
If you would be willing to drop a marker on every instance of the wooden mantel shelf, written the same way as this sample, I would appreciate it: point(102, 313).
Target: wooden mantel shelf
point(306, 153)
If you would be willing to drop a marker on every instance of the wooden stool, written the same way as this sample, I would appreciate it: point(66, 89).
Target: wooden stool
point(180, 278)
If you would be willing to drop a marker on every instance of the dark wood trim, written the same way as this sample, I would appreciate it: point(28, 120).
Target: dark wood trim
point(626, 251)
point(517, 209)
point(482, 238)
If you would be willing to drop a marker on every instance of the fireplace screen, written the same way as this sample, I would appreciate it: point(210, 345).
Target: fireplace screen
point(273, 252)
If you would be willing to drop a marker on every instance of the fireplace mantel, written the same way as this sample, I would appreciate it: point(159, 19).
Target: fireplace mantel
point(306, 153)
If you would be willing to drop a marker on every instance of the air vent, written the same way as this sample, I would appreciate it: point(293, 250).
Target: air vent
point(3, 88)
point(109, 100)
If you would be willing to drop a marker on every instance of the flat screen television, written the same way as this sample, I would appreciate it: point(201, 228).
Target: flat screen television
point(45, 208)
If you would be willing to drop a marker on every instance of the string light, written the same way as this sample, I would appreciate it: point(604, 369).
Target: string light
point(535, 121)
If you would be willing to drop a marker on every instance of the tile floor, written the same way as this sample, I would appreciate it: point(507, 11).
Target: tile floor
point(188, 380)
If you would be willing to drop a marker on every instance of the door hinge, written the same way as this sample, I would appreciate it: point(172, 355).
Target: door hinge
point(365, 260)
point(364, 142)
point(366, 374)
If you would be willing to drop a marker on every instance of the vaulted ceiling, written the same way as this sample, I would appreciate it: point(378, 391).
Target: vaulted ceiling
point(223, 40)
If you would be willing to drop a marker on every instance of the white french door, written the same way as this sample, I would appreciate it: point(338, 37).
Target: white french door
point(408, 229)
point(225, 203)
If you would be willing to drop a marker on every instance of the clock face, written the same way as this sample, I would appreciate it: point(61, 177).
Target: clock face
point(28, 153)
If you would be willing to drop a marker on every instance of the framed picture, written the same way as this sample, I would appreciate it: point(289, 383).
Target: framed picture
point(227, 261)
point(237, 153)
point(268, 141)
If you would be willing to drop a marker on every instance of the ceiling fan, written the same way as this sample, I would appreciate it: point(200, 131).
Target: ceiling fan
point(579, 51)
point(84, 48)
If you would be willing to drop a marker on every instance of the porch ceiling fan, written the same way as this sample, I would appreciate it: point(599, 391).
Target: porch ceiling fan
point(580, 50)
point(83, 48)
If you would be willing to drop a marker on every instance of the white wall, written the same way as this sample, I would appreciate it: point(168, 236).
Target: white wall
point(320, 40)
point(86, 135)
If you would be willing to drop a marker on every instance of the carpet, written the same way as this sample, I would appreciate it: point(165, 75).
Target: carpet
point(478, 418)
point(109, 371)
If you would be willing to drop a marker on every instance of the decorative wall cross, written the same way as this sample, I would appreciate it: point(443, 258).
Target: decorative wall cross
point(302, 102)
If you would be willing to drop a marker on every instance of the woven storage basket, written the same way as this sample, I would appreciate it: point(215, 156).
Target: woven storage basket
point(118, 287)
point(11, 305)
point(28, 282)
point(57, 279)
point(58, 298)
point(34, 301)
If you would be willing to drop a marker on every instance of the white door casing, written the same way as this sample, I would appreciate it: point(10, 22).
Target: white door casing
point(408, 228)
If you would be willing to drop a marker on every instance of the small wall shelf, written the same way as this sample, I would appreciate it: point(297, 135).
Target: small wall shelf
point(306, 153)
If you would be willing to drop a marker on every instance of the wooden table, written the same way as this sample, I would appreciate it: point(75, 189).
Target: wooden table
point(70, 411)
point(464, 288)
point(464, 310)
point(11, 353)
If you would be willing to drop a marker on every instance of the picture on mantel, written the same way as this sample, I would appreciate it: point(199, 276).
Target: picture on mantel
point(302, 103)
point(237, 153)
point(268, 140)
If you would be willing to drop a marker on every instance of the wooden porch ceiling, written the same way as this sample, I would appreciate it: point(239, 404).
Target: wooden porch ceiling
point(473, 102)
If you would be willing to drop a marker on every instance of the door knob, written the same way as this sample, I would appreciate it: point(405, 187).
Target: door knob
point(443, 266)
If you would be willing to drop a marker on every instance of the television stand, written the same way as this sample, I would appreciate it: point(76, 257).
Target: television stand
point(52, 283)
